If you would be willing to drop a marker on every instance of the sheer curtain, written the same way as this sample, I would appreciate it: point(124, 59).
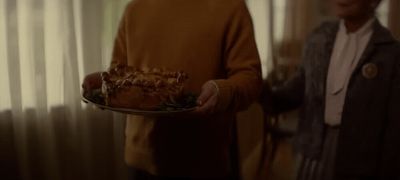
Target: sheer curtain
point(46, 48)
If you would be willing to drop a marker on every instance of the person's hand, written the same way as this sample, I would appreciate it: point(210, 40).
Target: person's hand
point(91, 82)
point(208, 99)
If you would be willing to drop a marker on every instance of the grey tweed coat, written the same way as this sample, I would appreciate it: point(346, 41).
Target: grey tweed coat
point(369, 139)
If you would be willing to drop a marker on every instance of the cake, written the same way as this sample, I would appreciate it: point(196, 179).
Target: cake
point(128, 87)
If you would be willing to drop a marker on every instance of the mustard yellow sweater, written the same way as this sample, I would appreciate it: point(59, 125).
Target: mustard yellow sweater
point(210, 40)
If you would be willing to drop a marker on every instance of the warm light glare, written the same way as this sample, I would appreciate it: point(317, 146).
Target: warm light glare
point(382, 12)
point(78, 25)
point(53, 54)
point(26, 55)
point(5, 99)
point(259, 13)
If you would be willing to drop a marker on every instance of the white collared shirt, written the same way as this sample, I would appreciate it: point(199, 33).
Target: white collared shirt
point(346, 54)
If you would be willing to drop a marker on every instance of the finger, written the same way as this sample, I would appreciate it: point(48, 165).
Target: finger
point(204, 96)
point(208, 107)
point(211, 102)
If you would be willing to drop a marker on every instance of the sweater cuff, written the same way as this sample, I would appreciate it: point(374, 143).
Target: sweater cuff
point(224, 94)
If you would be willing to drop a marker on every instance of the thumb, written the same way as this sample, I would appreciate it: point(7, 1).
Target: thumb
point(205, 94)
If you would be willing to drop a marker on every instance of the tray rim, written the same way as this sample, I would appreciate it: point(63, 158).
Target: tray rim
point(136, 111)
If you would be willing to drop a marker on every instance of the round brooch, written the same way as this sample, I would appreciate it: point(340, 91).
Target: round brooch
point(370, 70)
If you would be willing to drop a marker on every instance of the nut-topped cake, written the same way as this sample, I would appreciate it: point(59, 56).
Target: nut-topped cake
point(128, 87)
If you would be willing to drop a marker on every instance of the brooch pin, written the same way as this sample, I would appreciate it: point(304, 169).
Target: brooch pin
point(370, 71)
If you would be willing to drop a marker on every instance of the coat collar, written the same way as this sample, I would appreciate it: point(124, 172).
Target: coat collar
point(380, 36)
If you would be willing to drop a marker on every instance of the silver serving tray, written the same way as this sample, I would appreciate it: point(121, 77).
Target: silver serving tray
point(138, 112)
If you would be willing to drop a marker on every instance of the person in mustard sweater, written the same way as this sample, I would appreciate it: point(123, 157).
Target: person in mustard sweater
point(212, 41)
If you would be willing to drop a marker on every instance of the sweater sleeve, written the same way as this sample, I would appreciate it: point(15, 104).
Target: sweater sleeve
point(241, 62)
point(119, 55)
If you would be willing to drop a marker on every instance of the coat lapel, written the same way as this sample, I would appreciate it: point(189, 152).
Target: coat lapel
point(328, 45)
point(379, 36)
